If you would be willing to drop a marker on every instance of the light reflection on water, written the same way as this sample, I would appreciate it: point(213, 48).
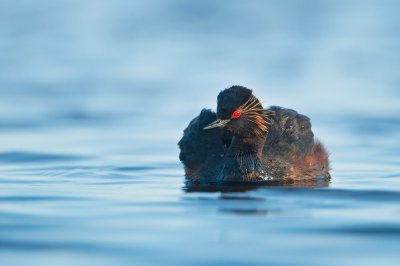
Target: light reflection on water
point(94, 97)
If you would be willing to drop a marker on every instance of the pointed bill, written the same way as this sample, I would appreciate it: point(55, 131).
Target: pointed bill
point(216, 123)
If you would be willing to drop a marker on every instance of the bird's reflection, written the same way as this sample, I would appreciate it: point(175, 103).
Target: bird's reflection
point(245, 211)
point(245, 187)
point(247, 204)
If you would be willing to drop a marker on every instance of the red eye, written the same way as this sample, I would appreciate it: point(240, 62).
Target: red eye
point(236, 114)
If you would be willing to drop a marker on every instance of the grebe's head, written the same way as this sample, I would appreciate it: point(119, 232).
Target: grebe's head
point(241, 113)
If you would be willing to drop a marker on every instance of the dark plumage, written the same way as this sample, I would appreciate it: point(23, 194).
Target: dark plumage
point(243, 142)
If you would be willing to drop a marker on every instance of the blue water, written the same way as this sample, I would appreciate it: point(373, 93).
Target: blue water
point(94, 96)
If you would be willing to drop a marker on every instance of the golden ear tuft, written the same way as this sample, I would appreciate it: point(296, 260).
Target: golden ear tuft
point(253, 111)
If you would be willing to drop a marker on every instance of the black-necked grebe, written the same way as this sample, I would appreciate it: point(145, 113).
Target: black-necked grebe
point(243, 142)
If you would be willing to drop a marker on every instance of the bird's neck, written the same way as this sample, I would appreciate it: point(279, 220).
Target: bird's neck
point(243, 146)
point(243, 160)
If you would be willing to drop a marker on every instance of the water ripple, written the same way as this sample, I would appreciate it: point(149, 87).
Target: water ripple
point(40, 198)
point(34, 157)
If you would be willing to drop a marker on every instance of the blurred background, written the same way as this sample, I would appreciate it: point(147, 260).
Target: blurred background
point(79, 66)
point(94, 96)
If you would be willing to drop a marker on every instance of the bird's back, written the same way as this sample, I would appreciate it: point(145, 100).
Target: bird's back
point(290, 150)
point(201, 150)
